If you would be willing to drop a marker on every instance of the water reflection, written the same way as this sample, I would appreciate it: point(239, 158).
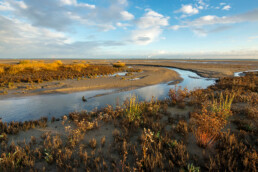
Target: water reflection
point(34, 107)
point(243, 73)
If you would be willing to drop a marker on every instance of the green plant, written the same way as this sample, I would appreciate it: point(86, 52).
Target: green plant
point(192, 168)
point(157, 135)
point(133, 109)
point(222, 107)
point(48, 157)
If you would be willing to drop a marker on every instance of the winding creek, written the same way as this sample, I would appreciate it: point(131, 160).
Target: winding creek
point(34, 107)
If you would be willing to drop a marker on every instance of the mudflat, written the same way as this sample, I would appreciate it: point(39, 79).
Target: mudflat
point(148, 76)
point(153, 72)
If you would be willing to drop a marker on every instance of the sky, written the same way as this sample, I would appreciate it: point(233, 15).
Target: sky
point(109, 29)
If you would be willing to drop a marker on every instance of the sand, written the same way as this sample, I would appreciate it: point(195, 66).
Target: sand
point(153, 73)
point(149, 76)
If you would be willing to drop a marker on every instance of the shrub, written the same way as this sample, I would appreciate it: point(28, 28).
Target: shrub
point(233, 155)
point(59, 62)
point(24, 62)
point(207, 127)
point(1, 70)
point(177, 95)
point(119, 64)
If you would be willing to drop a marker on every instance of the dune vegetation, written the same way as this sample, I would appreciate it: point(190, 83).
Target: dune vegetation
point(215, 131)
point(29, 71)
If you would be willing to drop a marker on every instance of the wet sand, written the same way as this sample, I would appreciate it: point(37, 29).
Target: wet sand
point(149, 76)
point(204, 68)
point(152, 74)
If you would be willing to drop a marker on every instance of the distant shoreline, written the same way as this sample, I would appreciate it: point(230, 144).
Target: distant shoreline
point(155, 72)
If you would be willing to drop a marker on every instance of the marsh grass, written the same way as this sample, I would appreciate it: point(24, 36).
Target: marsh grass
point(133, 109)
point(140, 136)
point(222, 107)
point(28, 71)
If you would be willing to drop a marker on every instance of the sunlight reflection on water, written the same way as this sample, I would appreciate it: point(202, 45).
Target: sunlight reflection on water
point(34, 107)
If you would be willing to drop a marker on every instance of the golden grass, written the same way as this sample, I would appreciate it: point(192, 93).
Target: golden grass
point(40, 65)
point(33, 65)
point(78, 67)
point(119, 64)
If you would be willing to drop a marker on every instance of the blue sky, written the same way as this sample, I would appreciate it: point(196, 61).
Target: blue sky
point(128, 29)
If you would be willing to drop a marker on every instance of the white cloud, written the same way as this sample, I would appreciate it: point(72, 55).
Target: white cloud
point(76, 4)
point(152, 19)
point(62, 14)
point(200, 7)
point(68, 2)
point(21, 4)
point(227, 7)
point(5, 6)
point(253, 37)
point(123, 2)
point(22, 40)
point(146, 36)
point(212, 20)
point(123, 25)
point(208, 18)
point(188, 9)
point(17, 32)
point(222, 3)
point(126, 15)
point(149, 27)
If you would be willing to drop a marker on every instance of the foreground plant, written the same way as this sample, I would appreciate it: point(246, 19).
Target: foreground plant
point(192, 168)
point(222, 107)
point(177, 95)
point(207, 127)
point(133, 109)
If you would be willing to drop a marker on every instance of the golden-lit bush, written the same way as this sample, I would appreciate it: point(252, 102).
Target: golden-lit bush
point(59, 62)
point(33, 66)
point(1, 69)
point(119, 64)
point(78, 67)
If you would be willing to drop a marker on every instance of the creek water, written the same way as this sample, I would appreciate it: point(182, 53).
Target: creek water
point(57, 105)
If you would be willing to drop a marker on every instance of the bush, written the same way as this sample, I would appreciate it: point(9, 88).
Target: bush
point(119, 64)
point(177, 95)
point(1, 70)
point(207, 127)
